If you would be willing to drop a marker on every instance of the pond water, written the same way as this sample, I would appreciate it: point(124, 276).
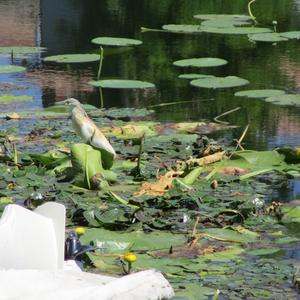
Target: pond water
point(67, 26)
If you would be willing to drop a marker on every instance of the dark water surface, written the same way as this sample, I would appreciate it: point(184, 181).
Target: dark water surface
point(67, 26)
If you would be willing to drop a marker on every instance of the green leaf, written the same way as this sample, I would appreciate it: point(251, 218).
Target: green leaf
point(291, 34)
point(181, 28)
point(271, 37)
point(235, 30)
point(194, 76)
point(6, 99)
point(112, 241)
point(86, 163)
point(115, 41)
point(223, 16)
point(72, 58)
point(263, 93)
point(11, 69)
point(229, 235)
point(286, 100)
point(201, 62)
point(121, 84)
point(219, 82)
point(263, 251)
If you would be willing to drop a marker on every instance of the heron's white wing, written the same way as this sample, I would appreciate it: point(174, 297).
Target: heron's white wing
point(86, 131)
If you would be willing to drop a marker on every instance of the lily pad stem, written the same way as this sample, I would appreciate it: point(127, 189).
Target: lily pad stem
point(140, 154)
point(101, 98)
point(15, 154)
point(100, 62)
point(250, 11)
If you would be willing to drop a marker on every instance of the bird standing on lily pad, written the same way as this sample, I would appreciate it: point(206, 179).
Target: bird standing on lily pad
point(89, 132)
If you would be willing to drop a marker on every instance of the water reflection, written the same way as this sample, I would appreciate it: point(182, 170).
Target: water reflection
point(67, 26)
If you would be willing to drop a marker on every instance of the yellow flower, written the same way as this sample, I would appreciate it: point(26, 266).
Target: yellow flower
point(297, 150)
point(130, 257)
point(80, 231)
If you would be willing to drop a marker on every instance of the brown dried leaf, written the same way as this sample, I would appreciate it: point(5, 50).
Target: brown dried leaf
point(233, 171)
point(158, 188)
point(206, 160)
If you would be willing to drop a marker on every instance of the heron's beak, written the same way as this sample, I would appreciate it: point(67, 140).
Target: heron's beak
point(60, 103)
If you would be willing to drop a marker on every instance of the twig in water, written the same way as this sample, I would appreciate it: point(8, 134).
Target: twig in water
point(238, 142)
point(216, 119)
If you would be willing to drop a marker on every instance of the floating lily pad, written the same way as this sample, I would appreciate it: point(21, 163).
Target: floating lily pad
point(287, 99)
point(263, 251)
point(259, 93)
point(291, 34)
point(235, 30)
point(219, 82)
point(114, 41)
point(72, 58)
point(21, 50)
point(220, 16)
point(194, 76)
point(271, 37)
point(221, 23)
point(11, 69)
point(6, 99)
point(181, 28)
point(201, 62)
point(122, 84)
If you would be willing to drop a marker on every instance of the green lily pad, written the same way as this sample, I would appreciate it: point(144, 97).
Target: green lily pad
point(11, 69)
point(122, 241)
point(286, 100)
point(114, 41)
point(291, 34)
point(219, 82)
point(263, 93)
point(223, 22)
point(21, 50)
point(194, 76)
point(201, 62)
point(72, 58)
point(181, 28)
point(235, 30)
point(230, 235)
point(6, 99)
point(122, 84)
point(263, 251)
point(271, 37)
point(223, 16)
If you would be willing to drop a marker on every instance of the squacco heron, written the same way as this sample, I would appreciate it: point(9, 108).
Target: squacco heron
point(87, 129)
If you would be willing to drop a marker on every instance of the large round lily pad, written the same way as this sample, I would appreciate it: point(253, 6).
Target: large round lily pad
point(219, 82)
point(11, 69)
point(224, 17)
point(121, 84)
point(291, 34)
point(234, 30)
point(286, 100)
point(201, 62)
point(180, 28)
point(72, 58)
point(194, 76)
point(7, 99)
point(271, 37)
point(263, 93)
point(115, 41)
point(21, 50)
point(221, 23)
